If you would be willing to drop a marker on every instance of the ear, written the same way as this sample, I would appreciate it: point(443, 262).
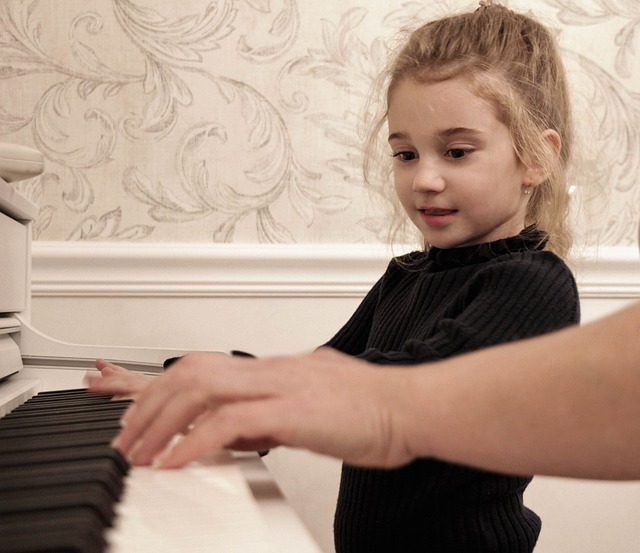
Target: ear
point(537, 174)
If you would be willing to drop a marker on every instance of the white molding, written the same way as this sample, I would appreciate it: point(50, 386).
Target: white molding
point(203, 270)
point(134, 269)
point(609, 272)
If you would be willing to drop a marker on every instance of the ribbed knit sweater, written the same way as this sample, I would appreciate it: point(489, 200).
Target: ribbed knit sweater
point(429, 306)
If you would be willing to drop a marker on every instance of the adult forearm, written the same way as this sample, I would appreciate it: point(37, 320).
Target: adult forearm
point(563, 404)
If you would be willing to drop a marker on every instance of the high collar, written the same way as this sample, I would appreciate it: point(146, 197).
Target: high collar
point(530, 239)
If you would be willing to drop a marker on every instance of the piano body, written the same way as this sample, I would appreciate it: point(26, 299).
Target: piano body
point(224, 502)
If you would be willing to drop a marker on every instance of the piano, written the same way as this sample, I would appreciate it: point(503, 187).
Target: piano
point(62, 487)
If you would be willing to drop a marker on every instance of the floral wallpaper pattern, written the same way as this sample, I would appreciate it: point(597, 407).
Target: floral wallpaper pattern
point(237, 120)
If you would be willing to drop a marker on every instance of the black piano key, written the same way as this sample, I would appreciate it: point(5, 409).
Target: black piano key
point(63, 474)
point(48, 499)
point(66, 395)
point(62, 403)
point(9, 431)
point(97, 466)
point(69, 530)
point(59, 418)
point(48, 410)
point(9, 458)
point(79, 394)
point(62, 398)
point(59, 477)
point(96, 436)
point(58, 540)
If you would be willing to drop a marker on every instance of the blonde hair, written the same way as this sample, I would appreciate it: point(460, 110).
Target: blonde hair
point(511, 61)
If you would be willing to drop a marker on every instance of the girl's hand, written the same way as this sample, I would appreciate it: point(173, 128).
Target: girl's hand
point(116, 380)
point(325, 401)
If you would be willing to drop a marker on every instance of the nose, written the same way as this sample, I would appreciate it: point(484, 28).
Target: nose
point(428, 177)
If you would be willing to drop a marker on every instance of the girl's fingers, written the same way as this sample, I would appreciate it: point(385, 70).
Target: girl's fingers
point(109, 368)
point(113, 379)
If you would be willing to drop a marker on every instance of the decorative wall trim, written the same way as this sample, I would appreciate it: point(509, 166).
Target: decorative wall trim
point(80, 269)
point(609, 272)
point(203, 270)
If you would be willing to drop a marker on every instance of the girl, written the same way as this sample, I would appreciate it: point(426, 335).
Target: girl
point(479, 131)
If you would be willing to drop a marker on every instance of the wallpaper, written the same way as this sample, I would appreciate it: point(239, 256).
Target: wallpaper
point(238, 120)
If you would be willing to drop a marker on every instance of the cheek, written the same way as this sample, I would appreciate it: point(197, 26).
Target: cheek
point(514, 169)
point(401, 185)
point(404, 196)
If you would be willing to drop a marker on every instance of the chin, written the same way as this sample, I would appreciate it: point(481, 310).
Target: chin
point(444, 244)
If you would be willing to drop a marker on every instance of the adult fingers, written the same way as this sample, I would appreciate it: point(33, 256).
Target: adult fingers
point(145, 445)
point(144, 415)
point(247, 426)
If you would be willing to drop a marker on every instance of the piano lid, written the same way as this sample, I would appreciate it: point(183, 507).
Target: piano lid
point(16, 214)
point(15, 205)
point(18, 163)
point(20, 343)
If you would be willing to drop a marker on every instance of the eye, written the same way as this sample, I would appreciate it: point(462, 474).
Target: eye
point(457, 153)
point(405, 156)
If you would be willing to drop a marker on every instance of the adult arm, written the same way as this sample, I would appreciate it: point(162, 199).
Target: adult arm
point(566, 404)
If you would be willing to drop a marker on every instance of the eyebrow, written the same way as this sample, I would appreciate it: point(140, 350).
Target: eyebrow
point(459, 130)
point(446, 133)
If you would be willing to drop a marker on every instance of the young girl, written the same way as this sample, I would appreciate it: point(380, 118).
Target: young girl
point(479, 130)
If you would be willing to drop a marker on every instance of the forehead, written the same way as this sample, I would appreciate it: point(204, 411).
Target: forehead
point(439, 105)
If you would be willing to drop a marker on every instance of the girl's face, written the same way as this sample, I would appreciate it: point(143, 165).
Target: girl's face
point(455, 170)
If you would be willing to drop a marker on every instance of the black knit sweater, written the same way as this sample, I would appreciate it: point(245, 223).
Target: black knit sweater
point(430, 306)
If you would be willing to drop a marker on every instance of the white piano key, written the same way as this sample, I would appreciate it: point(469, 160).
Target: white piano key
point(205, 506)
point(15, 392)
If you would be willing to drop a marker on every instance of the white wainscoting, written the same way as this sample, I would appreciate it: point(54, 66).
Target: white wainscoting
point(264, 299)
point(276, 299)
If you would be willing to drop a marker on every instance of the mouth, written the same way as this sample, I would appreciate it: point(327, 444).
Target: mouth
point(437, 211)
point(435, 216)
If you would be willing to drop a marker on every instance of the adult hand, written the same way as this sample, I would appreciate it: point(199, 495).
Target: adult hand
point(324, 401)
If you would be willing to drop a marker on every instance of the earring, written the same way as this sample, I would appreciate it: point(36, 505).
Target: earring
point(527, 191)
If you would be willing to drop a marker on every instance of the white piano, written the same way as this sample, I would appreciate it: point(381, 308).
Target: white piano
point(225, 502)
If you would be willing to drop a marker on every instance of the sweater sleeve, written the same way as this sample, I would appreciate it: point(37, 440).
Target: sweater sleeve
point(502, 302)
point(353, 336)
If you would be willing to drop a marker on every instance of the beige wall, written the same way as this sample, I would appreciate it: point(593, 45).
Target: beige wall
point(235, 121)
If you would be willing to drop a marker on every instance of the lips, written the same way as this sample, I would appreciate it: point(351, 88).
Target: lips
point(436, 216)
point(438, 212)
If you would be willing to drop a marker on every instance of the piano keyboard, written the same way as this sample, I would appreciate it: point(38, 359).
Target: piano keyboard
point(59, 478)
point(63, 489)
